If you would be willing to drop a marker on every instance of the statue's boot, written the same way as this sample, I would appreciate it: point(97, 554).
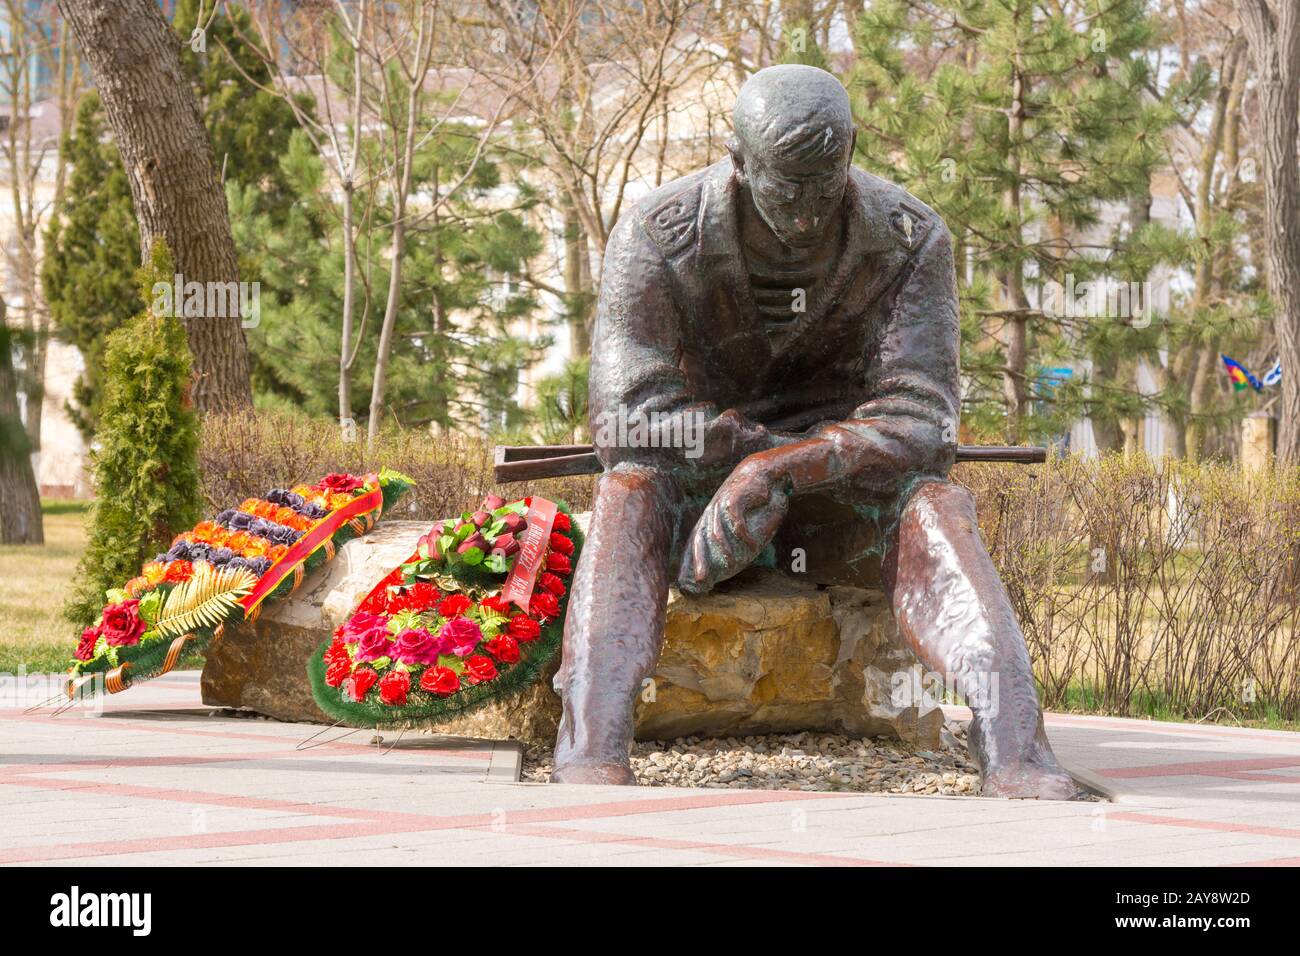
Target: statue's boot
point(615, 625)
point(953, 609)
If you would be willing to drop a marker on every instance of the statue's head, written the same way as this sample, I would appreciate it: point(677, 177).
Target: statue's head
point(793, 145)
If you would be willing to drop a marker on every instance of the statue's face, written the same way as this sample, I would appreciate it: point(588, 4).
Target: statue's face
point(797, 200)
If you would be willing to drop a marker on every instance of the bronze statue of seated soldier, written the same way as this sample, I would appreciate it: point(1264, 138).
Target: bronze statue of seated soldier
point(777, 341)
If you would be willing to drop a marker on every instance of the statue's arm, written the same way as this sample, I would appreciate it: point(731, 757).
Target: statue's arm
point(908, 425)
point(906, 429)
point(636, 376)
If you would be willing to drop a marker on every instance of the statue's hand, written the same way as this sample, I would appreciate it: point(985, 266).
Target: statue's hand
point(735, 527)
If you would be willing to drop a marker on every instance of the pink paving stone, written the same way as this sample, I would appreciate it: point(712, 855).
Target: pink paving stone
point(157, 755)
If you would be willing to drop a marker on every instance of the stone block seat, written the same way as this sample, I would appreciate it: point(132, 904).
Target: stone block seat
point(764, 653)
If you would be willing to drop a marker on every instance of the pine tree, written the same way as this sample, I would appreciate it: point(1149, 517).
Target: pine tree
point(249, 127)
point(146, 460)
point(1017, 120)
point(91, 256)
point(456, 357)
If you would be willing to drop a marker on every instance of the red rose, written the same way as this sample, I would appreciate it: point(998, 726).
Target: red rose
point(479, 669)
point(394, 687)
point(551, 583)
point(359, 683)
point(561, 522)
point(454, 605)
point(496, 603)
point(86, 645)
point(336, 653)
point(544, 605)
point(122, 625)
point(340, 482)
point(558, 563)
point(504, 648)
point(523, 628)
point(337, 672)
point(442, 681)
point(561, 544)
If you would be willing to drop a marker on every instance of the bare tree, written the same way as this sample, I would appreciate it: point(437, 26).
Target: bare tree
point(1272, 28)
point(412, 73)
point(33, 47)
point(134, 57)
point(593, 80)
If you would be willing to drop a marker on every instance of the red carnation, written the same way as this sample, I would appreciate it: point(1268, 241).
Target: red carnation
point(376, 601)
point(360, 682)
point(412, 600)
point(551, 583)
point(178, 571)
point(122, 625)
point(561, 522)
point(495, 603)
point(337, 672)
point(86, 645)
point(479, 669)
point(558, 563)
point(426, 594)
point(524, 628)
point(442, 681)
point(454, 605)
point(561, 544)
point(504, 648)
point(544, 605)
point(337, 653)
point(394, 688)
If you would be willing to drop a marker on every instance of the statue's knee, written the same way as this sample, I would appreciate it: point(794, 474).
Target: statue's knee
point(941, 497)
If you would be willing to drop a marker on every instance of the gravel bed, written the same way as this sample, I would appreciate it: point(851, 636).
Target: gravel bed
point(806, 761)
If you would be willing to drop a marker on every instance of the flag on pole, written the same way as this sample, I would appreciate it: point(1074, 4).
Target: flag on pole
point(1240, 376)
point(1274, 375)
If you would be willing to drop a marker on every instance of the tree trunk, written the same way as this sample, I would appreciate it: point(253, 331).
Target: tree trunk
point(1016, 331)
point(346, 354)
point(577, 280)
point(20, 499)
point(1273, 31)
point(135, 59)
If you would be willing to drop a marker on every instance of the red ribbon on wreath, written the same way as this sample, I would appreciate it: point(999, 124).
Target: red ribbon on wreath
point(532, 550)
point(319, 536)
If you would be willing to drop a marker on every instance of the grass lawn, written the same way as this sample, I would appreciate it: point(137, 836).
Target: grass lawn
point(34, 583)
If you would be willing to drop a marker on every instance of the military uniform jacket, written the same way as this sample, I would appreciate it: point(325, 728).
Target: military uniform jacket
point(677, 333)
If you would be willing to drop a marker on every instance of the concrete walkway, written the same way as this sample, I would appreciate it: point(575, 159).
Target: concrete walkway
point(157, 779)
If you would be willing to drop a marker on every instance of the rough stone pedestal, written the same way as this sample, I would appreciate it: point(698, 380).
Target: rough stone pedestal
point(765, 653)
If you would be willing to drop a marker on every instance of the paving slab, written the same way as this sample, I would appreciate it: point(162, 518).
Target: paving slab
point(172, 782)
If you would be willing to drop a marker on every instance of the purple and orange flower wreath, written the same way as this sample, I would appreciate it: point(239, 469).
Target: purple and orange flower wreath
point(221, 571)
